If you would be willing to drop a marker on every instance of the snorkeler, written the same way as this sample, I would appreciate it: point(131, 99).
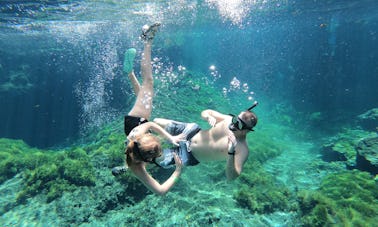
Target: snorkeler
point(225, 140)
point(141, 146)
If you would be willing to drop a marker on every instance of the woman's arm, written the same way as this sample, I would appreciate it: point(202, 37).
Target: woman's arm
point(152, 184)
point(144, 128)
point(158, 129)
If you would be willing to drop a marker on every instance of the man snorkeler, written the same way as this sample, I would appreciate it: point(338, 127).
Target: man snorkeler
point(225, 140)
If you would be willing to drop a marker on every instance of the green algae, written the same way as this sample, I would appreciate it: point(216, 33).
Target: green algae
point(259, 192)
point(264, 148)
point(106, 147)
point(17, 156)
point(62, 171)
point(49, 172)
point(348, 198)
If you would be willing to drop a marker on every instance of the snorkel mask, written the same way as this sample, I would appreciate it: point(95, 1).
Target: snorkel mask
point(142, 157)
point(239, 124)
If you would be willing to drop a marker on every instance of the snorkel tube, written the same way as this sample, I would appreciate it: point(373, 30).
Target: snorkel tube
point(255, 103)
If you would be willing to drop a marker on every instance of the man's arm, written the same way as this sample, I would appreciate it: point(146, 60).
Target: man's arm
point(213, 117)
point(237, 156)
point(235, 164)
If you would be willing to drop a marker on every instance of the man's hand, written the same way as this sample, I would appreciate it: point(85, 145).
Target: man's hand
point(231, 142)
point(211, 120)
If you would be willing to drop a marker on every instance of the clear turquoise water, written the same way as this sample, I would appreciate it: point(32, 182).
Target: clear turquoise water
point(312, 65)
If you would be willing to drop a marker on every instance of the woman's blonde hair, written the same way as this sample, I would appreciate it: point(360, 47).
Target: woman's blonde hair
point(144, 148)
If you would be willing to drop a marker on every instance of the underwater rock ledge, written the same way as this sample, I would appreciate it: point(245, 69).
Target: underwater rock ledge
point(356, 147)
point(369, 120)
point(367, 155)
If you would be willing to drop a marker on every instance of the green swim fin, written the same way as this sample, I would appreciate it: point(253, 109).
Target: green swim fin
point(128, 62)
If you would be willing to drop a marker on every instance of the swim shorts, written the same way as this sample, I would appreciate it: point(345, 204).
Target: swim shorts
point(183, 150)
point(131, 122)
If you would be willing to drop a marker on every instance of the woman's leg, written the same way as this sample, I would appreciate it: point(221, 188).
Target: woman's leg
point(134, 82)
point(143, 104)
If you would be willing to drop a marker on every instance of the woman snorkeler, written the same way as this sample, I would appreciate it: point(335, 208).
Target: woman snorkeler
point(141, 146)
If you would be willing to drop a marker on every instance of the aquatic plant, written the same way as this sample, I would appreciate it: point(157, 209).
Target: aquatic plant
point(260, 192)
point(348, 198)
point(16, 156)
point(63, 171)
point(264, 148)
point(106, 147)
point(44, 171)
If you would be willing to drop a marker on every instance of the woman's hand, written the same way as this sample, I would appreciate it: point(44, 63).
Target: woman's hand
point(176, 139)
point(178, 162)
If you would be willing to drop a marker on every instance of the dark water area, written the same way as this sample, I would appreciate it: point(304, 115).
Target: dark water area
point(40, 84)
point(60, 63)
point(38, 104)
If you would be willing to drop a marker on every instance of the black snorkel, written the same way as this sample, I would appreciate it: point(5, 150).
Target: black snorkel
point(255, 103)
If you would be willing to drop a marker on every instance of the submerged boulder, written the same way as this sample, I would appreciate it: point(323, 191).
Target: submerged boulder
point(341, 148)
point(339, 151)
point(367, 155)
point(345, 146)
point(369, 120)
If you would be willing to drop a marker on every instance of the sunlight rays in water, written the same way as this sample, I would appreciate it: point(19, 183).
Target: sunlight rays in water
point(236, 11)
point(233, 10)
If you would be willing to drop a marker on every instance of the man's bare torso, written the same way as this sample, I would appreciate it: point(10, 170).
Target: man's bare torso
point(211, 144)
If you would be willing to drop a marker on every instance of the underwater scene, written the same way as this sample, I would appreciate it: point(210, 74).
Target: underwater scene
point(312, 67)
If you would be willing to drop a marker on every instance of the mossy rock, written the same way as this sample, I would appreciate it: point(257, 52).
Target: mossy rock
point(16, 156)
point(57, 172)
point(342, 147)
point(263, 148)
point(369, 120)
point(367, 155)
point(344, 199)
